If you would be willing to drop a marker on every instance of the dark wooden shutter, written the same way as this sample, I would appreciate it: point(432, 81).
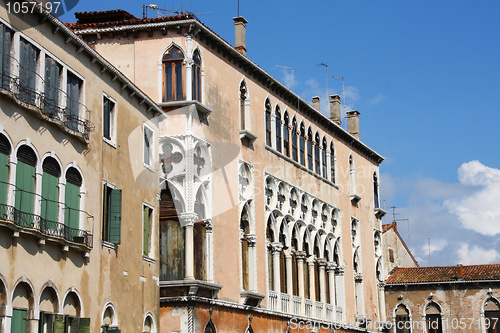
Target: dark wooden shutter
point(115, 216)
point(59, 324)
point(106, 110)
point(84, 325)
point(73, 177)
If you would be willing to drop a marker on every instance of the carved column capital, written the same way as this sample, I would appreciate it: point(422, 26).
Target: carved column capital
point(331, 266)
point(251, 239)
point(300, 255)
point(187, 219)
point(340, 270)
point(276, 247)
point(358, 277)
point(209, 224)
point(321, 262)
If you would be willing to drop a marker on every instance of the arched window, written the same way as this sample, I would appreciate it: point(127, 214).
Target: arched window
point(5, 150)
point(402, 317)
point(49, 306)
point(109, 319)
point(277, 115)
point(375, 191)
point(295, 155)
point(286, 135)
point(332, 163)
point(196, 69)
point(25, 183)
point(210, 327)
point(270, 265)
point(295, 270)
point(173, 74)
point(22, 305)
point(72, 199)
point(268, 123)
point(323, 159)
point(310, 150)
point(305, 245)
point(50, 193)
point(243, 104)
point(317, 144)
point(245, 267)
point(283, 272)
point(302, 144)
point(433, 318)
point(72, 310)
point(149, 326)
point(317, 284)
point(352, 176)
point(492, 316)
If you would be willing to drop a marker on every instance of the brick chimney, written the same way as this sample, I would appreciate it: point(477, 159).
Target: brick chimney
point(335, 109)
point(460, 272)
point(240, 34)
point(353, 123)
point(315, 101)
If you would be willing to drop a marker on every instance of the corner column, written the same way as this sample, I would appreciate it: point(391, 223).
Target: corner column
point(301, 255)
point(187, 222)
point(251, 241)
point(330, 269)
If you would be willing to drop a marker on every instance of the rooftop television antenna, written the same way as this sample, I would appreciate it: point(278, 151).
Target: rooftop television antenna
point(165, 12)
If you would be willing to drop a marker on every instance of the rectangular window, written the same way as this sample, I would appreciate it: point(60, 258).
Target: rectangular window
point(111, 214)
point(148, 146)
point(27, 72)
point(5, 45)
point(108, 119)
point(74, 86)
point(147, 223)
point(51, 86)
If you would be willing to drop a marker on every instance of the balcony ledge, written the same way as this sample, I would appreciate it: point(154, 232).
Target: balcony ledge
point(203, 110)
point(379, 213)
point(252, 298)
point(189, 288)
point(355, 198)
point(245, 134)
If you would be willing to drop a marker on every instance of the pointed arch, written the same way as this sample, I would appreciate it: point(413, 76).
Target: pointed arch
point(149, 325)
point(277, 119)
point(267, 108)
point(310, 140)
point(317, 157)
point(210, 327)
point(333, 162)
point(196, 75)
point(286, 134)
point(295, 129)
point(302, 140)
point(433, 317)
point(402, 318)
point(244, 98)
point(173, 73)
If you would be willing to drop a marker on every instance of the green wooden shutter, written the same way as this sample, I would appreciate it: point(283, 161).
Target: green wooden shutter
point(84, 325)
point(145, 222)
point(50, 194)
point(4, 177)
point(72, 201)
point(75, 325)
point(18, 321)
point(115, 216)
point(25, 182)
point(59, 324)
point(49, 319)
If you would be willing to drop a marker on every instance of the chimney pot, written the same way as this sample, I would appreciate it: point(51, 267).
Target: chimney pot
point(240, 34)
point(353, 123)
point(315, 101)
point(460, 272)
point(335, 109)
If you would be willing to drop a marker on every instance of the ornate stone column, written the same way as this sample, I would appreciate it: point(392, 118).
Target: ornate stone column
point(187, 222)
point(330, 269)
point(251, 241)
point(210, 249)
point(301, 255)
point(322, 280)
point(289, 275)
point(276, 249)
point(340, 290)
point(381, 301)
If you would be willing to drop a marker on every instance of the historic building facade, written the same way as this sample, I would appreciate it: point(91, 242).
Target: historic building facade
point(395, 251)
point(269, 210)
point(78, 186)
point(444, 299)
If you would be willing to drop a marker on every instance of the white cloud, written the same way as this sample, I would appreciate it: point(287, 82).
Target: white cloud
point(377, 99)
point(476, 255)
point(478, 210)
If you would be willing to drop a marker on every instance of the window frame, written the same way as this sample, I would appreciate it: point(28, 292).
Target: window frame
point(149, 254)
point(150, 165)
point(111, 122)
point(106, 239)
point(277, 119)
point(173, 63)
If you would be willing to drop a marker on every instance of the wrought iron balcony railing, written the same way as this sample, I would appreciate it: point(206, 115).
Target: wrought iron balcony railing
point(53, 103)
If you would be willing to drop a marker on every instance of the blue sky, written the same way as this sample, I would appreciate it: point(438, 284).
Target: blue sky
point(423, 74)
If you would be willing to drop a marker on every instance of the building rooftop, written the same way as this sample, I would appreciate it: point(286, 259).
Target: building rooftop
point(424, 275)
point(394, 226)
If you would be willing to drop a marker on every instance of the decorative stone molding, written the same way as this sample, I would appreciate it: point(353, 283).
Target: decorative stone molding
point(209, 224)
point(187, 219)
point(321, 262)
point(340, 270)
point(300, 255)
point(251, 239)
point(358, 277)
point(276, 247)
point(331, 266)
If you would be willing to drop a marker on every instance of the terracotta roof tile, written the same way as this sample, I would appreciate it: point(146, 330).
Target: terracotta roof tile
point(444, 274)
point(386, 227)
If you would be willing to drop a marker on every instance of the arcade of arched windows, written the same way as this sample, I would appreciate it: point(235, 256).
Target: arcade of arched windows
point(296, 140)
point(305, 273)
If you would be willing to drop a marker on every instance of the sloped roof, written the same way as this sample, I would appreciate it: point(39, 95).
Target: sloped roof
point(394, 226)
point(416, 275)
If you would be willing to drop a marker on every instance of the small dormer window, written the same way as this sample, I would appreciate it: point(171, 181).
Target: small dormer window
point(173, 75)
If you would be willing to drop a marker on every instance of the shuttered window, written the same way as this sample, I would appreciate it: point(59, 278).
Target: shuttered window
point(112, 215)
point(72, 198)
point(18, 321)
point(5, 45)
point(52, 76)
point(27, 71)
point(74, 85)
point(173, 81)
point(25, 183)
point(147, 220)
point(108, 115)
point(50, 192)
point(4, 168)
